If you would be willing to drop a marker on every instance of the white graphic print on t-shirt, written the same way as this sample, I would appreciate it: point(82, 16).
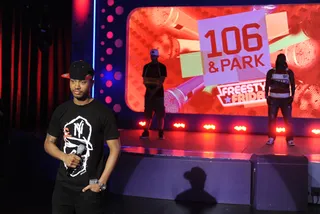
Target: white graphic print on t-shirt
point(78, 132)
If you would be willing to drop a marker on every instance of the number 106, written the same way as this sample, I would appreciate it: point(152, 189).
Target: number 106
point(245, 40)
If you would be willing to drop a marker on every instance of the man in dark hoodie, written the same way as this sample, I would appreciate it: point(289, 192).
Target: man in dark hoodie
point(279, 81)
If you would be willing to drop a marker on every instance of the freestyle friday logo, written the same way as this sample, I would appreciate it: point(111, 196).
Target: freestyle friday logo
point(242, 93)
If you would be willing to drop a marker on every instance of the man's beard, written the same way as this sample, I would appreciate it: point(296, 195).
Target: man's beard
point(83, 98)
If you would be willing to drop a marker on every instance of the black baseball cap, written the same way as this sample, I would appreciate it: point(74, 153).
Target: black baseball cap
point(79, 70)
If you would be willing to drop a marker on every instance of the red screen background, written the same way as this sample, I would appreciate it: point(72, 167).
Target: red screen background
point(146, 31)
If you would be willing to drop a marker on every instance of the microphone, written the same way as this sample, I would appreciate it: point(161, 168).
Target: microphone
point(268, 8)
point(174, 20)
point(80, 150)
point(176, 98)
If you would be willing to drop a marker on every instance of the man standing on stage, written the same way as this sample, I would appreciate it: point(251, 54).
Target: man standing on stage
point(85, 125)
point(279, 80)
point(154, 74)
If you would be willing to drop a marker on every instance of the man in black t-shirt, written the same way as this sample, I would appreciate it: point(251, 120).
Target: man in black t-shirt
point(85, 125)
point(154, 74)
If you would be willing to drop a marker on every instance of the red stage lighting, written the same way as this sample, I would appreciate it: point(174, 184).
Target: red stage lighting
point(81, 10)
point(316, 131)
point(240, 128)
point(209, 127)
point(280, 129)
point(179, 125)
point(142, 123)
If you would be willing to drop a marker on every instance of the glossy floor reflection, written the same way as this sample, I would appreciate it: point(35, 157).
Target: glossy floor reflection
point(216, 145)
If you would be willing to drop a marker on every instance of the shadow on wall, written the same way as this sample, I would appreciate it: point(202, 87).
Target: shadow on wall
point(197, 194)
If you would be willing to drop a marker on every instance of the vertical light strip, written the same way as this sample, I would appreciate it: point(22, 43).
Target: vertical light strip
point(94, 41)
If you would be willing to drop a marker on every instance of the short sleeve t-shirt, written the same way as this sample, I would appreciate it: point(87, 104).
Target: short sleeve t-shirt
point(155, 70)
point(89, 125)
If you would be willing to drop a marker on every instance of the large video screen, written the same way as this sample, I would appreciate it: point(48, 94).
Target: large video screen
point(217, 57)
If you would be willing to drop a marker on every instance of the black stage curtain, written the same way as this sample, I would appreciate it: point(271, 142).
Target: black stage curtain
point(30, 82)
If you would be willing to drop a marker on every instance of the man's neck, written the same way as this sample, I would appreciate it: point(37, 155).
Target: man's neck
point(82, 102)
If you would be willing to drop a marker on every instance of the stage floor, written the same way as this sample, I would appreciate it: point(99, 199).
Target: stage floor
point(215, 145)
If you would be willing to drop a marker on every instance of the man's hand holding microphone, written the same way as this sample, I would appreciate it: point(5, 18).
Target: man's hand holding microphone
point(71, 160)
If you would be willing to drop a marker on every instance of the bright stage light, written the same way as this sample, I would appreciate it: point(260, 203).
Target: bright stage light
point(94, 41)
point(179, 125)
point(209, 127)
point(240, 128)
point(280, 129)
point(316, 131)
point(142, 123)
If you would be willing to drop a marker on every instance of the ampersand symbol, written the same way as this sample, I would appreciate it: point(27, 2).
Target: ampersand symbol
point(212, 69)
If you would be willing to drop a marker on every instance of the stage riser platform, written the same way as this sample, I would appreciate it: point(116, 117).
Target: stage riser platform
point(314, 181)
point(280, 182)
point(227, 181)
point(28, 149)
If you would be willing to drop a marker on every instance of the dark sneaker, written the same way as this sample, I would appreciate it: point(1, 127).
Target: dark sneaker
point(290, 142)
point(270, 141)
point(161, 135)
point(145, 134)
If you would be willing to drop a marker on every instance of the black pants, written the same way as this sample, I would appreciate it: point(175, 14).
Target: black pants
point(154, 105)
point(274, 104)
point(67, 201)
